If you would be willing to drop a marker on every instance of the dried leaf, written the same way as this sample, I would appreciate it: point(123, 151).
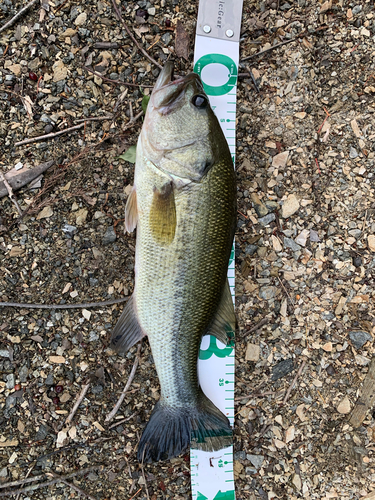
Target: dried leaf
point(45, 213)
point(182, 41)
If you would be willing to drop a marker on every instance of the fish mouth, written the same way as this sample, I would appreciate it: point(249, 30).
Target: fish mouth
point(168, 94)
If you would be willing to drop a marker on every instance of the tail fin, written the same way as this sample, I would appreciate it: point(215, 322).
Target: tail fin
point(171, 430)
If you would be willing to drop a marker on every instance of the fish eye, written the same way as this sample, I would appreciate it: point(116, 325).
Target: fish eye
point(199, 101)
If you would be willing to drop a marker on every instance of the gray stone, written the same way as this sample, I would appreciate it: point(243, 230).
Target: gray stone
point(93, 336)
point(69, 230)
point(250, 249)
point(49, 379)
point(10, 402)
point(314, 236)
point(4, 353)
point(356, 9)
point(109, 237)
point(3, 472)
point(240, 455)
point(359, 338)
point(271, 205)
point(353, 153)
point(97, 389)
point(41, 433)
point(93, 281)
point(256, 460)
point(282, 368)
point(10, 381)
point(167, 37)
point(23, 373)
point(289, 243)
point(267, 219)
point(357, 261)
point(267, 292)
point(356, 233)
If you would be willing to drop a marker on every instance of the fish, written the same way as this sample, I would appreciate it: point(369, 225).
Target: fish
point(183, 206)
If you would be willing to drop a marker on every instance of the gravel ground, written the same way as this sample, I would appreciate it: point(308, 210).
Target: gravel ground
point(305, 248)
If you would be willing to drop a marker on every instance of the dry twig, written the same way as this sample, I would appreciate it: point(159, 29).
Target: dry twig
point(286, 291)
point(42, 485)
point(71, 485)
point(63, 306)
point(143, 474)
point(262, 322)
point(95, 119)
point(85, 388)
point(110, 415)
point(116, 82)
point(270, 48)
point(135, 494)
point(10, 192)
point(294, 381)
point(49, 136)
point(140, 48)
point(122, 421)
point(18, 15)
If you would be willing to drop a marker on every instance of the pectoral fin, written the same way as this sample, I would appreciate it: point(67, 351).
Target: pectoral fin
point(131, 211)
point(127, 331)
point(163, 215)
point(224, 322)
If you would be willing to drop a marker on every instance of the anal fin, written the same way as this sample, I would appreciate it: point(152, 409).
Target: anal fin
point(223, 324)
point(131, 211)
point(127, 331)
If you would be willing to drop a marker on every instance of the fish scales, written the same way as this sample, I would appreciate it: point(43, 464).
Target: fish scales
point(183, 205)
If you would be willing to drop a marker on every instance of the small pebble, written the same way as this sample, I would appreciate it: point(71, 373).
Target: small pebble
point(109, 236)
point(282, 368)
point(359, 338)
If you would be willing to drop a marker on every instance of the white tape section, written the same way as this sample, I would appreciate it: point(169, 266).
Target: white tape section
point(216, 61)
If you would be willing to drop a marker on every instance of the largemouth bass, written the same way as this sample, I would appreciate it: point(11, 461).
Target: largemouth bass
point(183, 204)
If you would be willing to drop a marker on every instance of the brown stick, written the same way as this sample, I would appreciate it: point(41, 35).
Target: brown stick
point(10, 192)
point(294, 381)
point(63, 306)
point(18, 15)
point(271, 48)
point(286, 291)
point(123, 420)
point(143, 474)
point(141, 49)
point(95, 119)
point(116, 82)
point(85, 388)
point(367, 398)
point(135, 494)
point(110, 415)
point(49, 136)
point(47, 483)
point(72, 485)
point(262, 322)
